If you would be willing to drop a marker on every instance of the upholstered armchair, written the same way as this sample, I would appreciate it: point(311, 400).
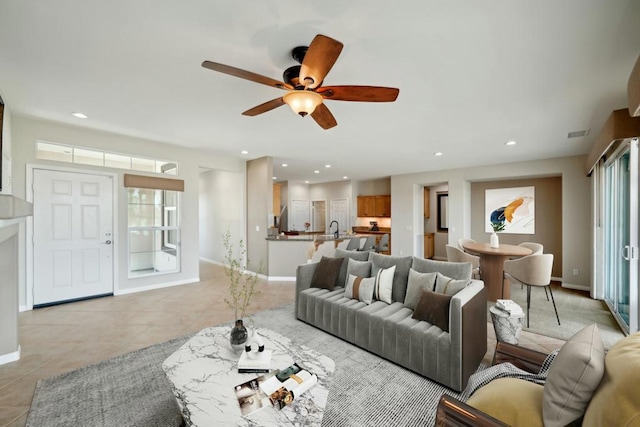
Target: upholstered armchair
point(584, 387)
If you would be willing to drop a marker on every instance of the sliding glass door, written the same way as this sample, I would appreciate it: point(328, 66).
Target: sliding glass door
point(621, 235)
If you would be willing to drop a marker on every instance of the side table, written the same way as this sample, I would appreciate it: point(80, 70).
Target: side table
point(507, 326)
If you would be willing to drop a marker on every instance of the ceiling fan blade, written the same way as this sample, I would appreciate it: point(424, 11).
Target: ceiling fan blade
point(359, 93)
point(320, 57)
point(263, 108)
point(247, 75)
point(323, 117)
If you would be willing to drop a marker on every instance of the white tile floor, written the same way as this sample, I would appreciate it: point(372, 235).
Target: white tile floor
point(65, 337)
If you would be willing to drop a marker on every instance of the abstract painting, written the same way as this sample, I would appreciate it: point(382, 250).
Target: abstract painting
point(510, 210)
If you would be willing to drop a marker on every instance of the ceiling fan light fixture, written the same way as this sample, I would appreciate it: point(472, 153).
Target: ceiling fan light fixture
point(302, 102)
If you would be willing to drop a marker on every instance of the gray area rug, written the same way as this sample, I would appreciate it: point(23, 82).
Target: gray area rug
point(131, 390)
point(575, 308)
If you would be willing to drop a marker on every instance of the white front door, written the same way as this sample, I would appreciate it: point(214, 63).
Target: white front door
point(72, 236)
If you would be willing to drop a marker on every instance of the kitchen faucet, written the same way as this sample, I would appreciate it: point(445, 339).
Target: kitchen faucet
point(337, 233)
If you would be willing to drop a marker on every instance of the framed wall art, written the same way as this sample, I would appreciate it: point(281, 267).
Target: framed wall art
point(510, 210)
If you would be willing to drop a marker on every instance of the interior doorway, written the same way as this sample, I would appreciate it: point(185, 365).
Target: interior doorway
point(318, 215)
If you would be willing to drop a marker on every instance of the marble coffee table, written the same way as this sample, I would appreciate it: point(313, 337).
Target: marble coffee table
point(203, 374)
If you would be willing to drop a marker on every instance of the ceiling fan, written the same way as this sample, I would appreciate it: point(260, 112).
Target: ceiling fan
point(303, 83)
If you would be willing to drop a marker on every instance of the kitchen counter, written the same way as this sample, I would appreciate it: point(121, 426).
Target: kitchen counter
point(311, 237)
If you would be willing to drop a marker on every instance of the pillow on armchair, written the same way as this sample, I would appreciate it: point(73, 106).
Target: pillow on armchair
point(571, 382)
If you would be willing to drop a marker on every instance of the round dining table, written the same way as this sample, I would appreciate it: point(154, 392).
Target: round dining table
point(492, 266)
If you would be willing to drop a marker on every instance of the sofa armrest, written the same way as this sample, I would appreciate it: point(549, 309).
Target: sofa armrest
point(468, 328)
point(523, 358)
point(455, 413)
point(304, 274)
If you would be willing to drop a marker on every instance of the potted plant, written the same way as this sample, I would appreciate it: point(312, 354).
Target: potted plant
point(242, 286)
point(497, 224)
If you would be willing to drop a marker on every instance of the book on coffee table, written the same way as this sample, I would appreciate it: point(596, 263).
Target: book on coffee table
point(255, 362)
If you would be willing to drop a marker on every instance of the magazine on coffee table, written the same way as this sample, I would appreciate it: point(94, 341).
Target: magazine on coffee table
point(250, 396)
point(287, 384)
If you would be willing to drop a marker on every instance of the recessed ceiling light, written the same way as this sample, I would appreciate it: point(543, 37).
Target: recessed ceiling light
point(79, 115)
point(316, 171)
point(284, 165)
point(274, 177)
point(438, 153)
point(327, 166)
point(510, 143)
point(306, 182)
point(244, 152)
point(345, 177)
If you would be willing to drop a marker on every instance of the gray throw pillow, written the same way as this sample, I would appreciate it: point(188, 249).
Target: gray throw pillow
point(449, 286)
point(418, 282)
point(455, 270)
point(358, 268)
point(343, 253)
point(402, 263)
point(573, 377)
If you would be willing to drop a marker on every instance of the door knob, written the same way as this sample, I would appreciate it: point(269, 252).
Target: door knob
point(106, 242)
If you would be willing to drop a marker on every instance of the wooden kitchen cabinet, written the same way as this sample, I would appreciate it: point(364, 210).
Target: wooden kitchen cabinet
point(374, 206)
point(276, 199)
point(427, 201)
point(428, 245)
point(383, 206)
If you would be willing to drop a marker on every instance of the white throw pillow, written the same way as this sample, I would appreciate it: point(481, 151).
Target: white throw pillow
point(384, 284)
point(360, 288)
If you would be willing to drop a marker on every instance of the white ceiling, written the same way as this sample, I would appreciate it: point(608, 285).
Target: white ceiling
point(472, 75)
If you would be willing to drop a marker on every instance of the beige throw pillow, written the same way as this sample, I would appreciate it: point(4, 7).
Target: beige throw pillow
point(575, 374)
point(449, 286)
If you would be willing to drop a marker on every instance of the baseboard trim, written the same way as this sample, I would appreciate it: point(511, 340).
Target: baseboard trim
point(24, 308)
point(10, 357)
point(281, 279)
point(576, 287)
point(221, 264)
point(158, 286)
point(210, 261)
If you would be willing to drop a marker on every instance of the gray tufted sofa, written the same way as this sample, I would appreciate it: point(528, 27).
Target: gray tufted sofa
point(388, 330)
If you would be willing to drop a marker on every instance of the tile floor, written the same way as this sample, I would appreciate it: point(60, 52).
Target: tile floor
point(69, 336)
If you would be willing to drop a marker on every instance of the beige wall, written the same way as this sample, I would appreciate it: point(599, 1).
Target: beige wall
point(548, 215)
point(407, 220)
point(259, 210)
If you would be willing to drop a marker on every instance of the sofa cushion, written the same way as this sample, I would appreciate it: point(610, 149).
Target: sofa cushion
point(455, 270)
point(403, 264)
point(513, 401)
point(449, 286)
point(343, 253)
point(573, 377)
point(433, 307)
point(417, 282)
point(616, 401)
point(326, 274)
point(358, 268)
point(384, 284)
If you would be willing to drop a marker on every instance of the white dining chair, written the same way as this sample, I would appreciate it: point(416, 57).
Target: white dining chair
point(531, 270)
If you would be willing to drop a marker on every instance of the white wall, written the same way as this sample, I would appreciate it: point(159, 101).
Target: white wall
point(406, 207)
point(26, 131)
point(221, 208)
